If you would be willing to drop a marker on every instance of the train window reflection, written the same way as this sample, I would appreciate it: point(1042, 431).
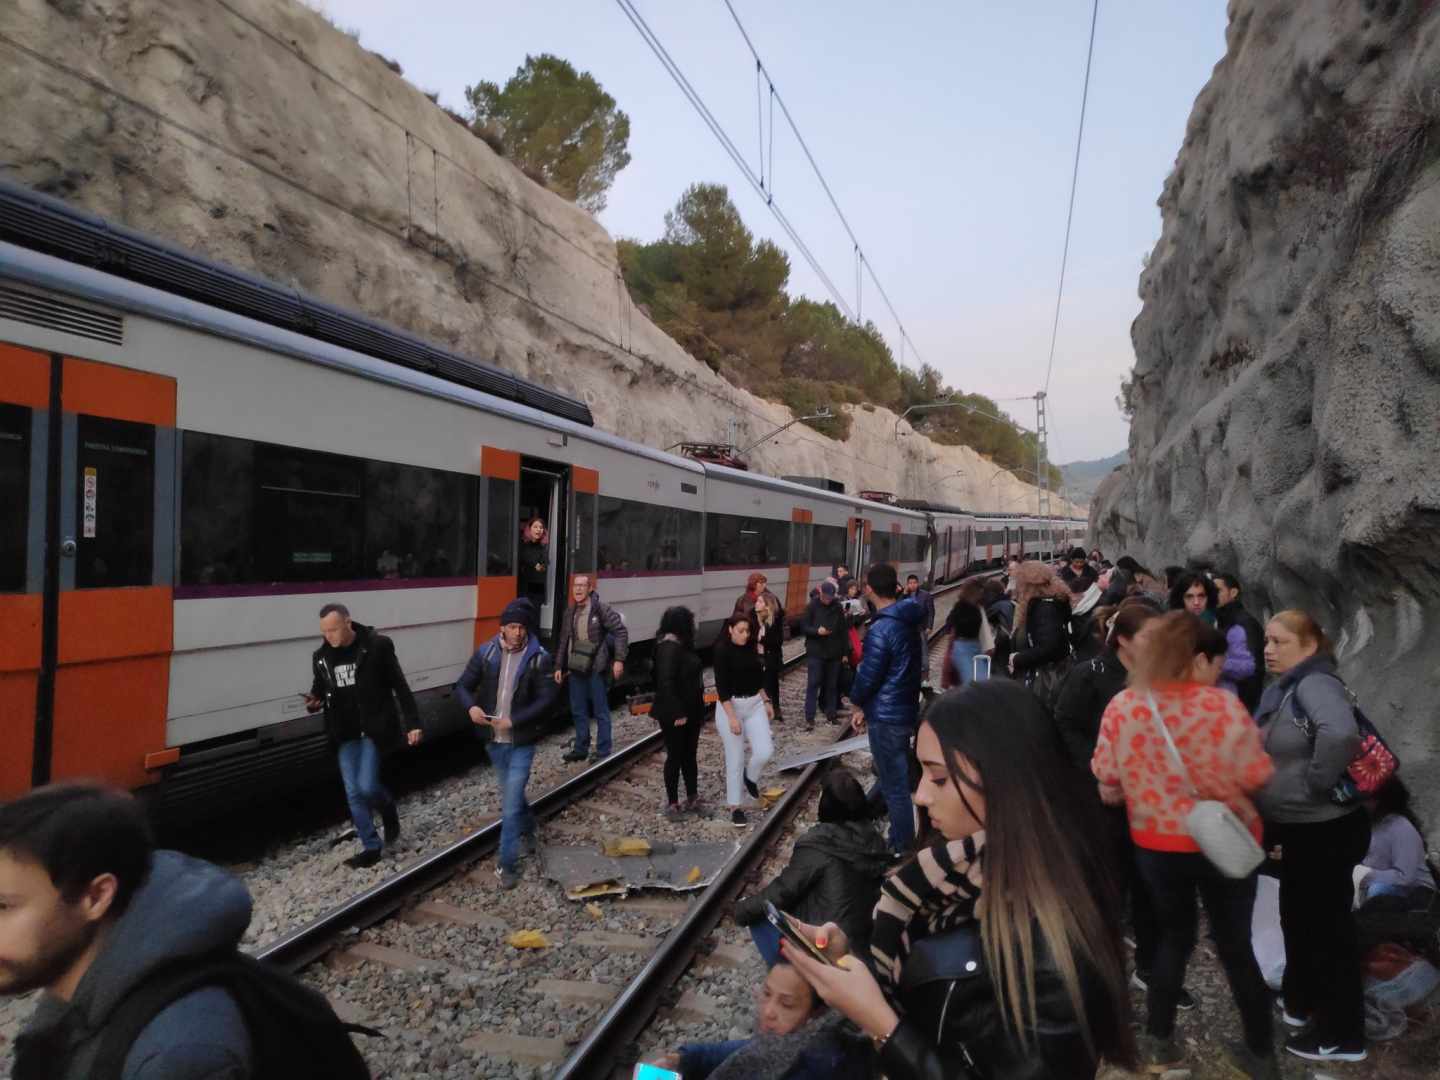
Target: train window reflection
point(637, 537)
point(732, 540)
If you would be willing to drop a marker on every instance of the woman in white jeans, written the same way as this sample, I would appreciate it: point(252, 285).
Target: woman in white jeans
point(744, 713)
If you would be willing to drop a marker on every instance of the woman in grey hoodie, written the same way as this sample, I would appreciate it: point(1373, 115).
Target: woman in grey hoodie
point(1307, 725)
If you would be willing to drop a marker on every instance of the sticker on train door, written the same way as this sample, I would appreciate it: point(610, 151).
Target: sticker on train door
point(91, 483)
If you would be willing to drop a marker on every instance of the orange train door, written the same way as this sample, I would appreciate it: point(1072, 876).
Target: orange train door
point(99, 555)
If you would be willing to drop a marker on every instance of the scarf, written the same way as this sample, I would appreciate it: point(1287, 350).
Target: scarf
point(934, 892)
point(773, 1057)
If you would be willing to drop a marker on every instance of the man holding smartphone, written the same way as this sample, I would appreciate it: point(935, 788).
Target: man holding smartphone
point(357, 681)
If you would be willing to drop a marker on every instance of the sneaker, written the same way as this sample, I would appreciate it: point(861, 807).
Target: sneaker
point(1141, 981)
point(1291, 1020)
point(673, 812)
point(574, 755)
point(1159, 1055)
point(391, 816)
point(809, 725)
point(597, 756)
point(697, 807)
point(361, 860)
point(832, 719)
point(508, 878)
point(1312, 1047)
point(753, 788)
point(1256, 1066)
point(738, 818)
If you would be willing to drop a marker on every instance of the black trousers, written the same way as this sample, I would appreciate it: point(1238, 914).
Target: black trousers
point(1172, 879)
point(681, 744)
point(1322, 949)
point(1125, 874)
point(774, 660)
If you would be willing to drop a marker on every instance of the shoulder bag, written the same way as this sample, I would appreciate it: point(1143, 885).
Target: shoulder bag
point(1222, 836)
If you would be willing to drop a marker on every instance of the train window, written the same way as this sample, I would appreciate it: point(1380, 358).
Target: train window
point(637, 537)
point(910, 547)
point(882, 547)
point(501, 528)
point(827, 547)
point(802, 543)
point(732, 541)
point(115, 503)
point(256, 513)
point(14, 495)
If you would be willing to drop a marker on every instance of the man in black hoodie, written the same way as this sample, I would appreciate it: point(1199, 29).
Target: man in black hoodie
point(826, 639)
point(357, 680)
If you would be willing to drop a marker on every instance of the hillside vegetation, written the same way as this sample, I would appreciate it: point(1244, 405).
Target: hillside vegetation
point(720, 293)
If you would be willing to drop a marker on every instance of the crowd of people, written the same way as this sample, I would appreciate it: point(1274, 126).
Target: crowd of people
point(1108, 756)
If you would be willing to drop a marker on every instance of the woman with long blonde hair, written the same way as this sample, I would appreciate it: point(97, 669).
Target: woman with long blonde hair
point(994, 951)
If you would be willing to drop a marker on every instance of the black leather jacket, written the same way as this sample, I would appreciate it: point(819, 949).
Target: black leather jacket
point(952, 1027)
point(679, 684)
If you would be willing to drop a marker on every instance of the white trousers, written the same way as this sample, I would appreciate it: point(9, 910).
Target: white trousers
point(754, 726)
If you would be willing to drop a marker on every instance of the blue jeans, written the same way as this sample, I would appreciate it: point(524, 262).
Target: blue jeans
point(822, 680)
point(360, 772)
point(890, 747)
point(587, 700)
point(962, 658)
point(512, 772)
point(767, 940)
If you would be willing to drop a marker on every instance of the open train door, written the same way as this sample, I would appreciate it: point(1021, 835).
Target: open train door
point(858, 531)
point(87, 546)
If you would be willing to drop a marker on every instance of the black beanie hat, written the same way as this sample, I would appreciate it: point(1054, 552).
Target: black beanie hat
point(520, 610)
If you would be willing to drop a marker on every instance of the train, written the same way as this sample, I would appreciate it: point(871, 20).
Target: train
point(193, 459)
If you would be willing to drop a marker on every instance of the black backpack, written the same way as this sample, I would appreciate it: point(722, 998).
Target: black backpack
point(294, 1033)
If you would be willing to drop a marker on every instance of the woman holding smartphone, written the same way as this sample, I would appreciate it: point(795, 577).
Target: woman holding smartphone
point(1031, 981)
point(744, 713)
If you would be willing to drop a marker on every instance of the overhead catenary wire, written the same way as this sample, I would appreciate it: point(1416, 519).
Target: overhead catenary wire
point(1074, 180)
point(825, 186)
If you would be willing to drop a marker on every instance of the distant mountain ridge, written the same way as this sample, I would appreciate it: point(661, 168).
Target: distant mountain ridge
point(1083, 477)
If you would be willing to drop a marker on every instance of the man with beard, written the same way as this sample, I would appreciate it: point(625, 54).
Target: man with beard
point(88, 910)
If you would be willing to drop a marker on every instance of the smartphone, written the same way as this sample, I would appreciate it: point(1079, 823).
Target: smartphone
point(981, 667)
point(645, 1071)
point(791, 933)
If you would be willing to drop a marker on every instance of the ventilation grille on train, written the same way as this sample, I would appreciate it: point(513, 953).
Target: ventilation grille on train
point(60, 315)
point(45, 224)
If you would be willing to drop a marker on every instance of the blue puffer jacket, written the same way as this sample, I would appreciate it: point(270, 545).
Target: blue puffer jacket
point(887, 684)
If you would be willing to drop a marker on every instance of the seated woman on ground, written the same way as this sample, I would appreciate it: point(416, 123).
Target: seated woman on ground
point(1399, 878)
point(1016, 972)
point(834, 873)
point(796, 1038)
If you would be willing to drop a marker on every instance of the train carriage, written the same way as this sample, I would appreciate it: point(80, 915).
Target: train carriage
point(197, 459)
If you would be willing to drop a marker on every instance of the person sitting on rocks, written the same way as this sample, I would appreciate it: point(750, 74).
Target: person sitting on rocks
point(796, 1038)
point(834, 873)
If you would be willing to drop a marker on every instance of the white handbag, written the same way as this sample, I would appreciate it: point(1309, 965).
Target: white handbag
point(1222, 836)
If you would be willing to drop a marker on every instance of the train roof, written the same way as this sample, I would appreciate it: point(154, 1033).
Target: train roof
point(773, 483)
point(39, 222)
point(928, 506)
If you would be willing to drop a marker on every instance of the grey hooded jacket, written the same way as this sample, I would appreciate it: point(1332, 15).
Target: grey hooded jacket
point(1310, 745)
point(184, 908)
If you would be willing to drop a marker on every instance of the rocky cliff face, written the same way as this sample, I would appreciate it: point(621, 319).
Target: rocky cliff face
point(1288, 349)
point(254, 132)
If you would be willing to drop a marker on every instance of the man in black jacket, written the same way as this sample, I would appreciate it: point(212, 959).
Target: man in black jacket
point(826, 638)
point(588, 658)
point(1228, 614)
point(357, 680)
point(509, 687)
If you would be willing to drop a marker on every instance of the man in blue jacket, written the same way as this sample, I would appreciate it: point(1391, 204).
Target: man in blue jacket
point(508, 687)
point(886, 694)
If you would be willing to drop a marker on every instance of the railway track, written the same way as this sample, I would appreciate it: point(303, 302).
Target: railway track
point(444, 979)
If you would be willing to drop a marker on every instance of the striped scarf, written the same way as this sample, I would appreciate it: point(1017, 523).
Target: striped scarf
point(934, 892)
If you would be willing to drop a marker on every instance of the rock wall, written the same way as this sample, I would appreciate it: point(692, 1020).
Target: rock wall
point(254, 132)
point(1288, 348)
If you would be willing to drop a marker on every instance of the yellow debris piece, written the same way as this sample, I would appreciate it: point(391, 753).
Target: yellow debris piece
point(594, 911)
point(616, 846)
point(771, 795)
point(693, 876)
point(600, 888)
point(528, 939)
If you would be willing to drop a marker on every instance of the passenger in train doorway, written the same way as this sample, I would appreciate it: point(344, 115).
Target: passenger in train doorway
point(743, 713)
point(509, 688)
point(767, 632)
point(357, 681)
point(534, 564)
point(826, 641)
point(679, 706)
point(886, 695)
point(591, 651)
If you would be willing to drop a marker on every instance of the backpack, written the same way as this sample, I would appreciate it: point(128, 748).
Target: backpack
point(1373, 764)
point(294, 1032)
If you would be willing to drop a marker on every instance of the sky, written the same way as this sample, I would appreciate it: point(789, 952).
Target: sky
point(945, 129)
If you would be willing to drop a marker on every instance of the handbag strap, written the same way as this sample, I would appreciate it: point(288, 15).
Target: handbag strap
point(1170, 742)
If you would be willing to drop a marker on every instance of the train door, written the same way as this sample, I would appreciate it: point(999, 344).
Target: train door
point(543, 559)
point(802, 543)
point(87, 543)
point(859, 531)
